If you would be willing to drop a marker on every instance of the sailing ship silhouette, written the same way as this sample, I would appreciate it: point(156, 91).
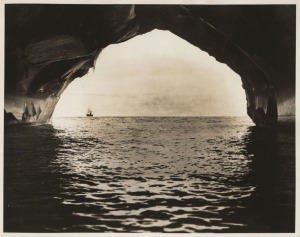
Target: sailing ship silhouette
point(89, 113)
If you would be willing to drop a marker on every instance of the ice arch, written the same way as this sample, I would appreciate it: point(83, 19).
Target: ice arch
point(170, 78)
point(48, 46)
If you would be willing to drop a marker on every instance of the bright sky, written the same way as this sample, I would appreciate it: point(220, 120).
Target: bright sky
point(156, 74)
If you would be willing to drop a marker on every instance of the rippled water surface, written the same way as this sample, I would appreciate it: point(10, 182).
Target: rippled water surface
point(149, 174)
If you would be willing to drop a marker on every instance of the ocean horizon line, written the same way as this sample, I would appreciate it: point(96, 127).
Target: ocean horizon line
point(152, 116)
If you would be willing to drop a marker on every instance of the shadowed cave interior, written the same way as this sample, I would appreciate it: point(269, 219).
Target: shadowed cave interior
point(48, 46)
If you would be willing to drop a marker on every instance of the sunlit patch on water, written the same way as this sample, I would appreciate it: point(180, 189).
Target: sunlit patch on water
point(147, 175)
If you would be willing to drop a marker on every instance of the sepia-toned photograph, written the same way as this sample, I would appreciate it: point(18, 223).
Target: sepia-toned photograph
point(149, 118)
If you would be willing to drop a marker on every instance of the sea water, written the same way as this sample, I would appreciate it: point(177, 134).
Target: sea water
point(149, 174)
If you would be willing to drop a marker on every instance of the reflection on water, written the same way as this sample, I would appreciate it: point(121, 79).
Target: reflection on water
point(191, 174)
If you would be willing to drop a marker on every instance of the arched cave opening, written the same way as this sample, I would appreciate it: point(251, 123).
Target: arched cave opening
point(262, 54)
point(155, 74)
point(48, 46)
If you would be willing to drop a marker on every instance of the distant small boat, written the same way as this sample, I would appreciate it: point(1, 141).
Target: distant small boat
point(89, 113)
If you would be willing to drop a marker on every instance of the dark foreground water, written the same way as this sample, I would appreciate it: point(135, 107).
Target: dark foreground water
point(149, 174)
